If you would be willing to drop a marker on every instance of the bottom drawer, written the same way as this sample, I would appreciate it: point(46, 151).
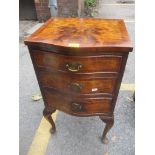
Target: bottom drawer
point(78, 105)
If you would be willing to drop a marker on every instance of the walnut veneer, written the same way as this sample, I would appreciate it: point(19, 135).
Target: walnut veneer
point(79, 64)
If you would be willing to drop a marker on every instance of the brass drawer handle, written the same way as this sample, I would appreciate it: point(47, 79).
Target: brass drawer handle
point(75, 86)
point(73, 67)
point(76, 107)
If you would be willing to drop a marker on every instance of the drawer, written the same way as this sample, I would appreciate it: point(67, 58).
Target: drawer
point(78, 106)
point(76, 83)
point(79, 64)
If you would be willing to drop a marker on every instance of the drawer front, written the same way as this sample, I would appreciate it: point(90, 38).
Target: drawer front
point(84, 64)
point(79, 106)
point(77, 84)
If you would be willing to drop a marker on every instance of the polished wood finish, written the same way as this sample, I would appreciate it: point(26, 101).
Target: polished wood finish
point(109, 123)
point(79, 64)
point(85, 33)
point(102, 63)
point(47, 114)
point(73, 84)
point(89, 106)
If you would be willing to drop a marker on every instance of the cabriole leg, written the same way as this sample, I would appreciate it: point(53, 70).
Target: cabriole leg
point(109, 123)
point(47, 114)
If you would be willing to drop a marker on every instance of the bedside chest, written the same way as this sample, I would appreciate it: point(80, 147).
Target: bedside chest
point(79, 64)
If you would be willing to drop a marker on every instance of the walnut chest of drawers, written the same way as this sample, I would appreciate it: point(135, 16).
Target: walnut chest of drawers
point(79, 64)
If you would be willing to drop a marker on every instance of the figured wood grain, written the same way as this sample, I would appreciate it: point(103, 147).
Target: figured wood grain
point(82, 33)
point(103, 63)
point(89, 85)
point(72, 57)
point(90, 106)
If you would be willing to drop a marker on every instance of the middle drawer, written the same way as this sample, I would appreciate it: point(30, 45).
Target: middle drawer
point(82, 84)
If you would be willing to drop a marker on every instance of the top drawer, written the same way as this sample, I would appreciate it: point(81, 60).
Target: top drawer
point(79, 64)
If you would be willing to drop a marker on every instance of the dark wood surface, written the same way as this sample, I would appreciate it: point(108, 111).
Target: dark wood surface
point(102, 63)
point(88, 106)
point(79, 64)
point(74, 84)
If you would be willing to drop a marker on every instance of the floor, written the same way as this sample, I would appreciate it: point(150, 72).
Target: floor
point(74, 135)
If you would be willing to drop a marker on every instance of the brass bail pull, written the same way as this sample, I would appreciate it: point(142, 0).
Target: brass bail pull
point(77, 107)
point(73, 67)
point(75, 86)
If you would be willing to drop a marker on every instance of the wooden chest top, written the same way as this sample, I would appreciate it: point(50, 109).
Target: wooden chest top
point(105, 34)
